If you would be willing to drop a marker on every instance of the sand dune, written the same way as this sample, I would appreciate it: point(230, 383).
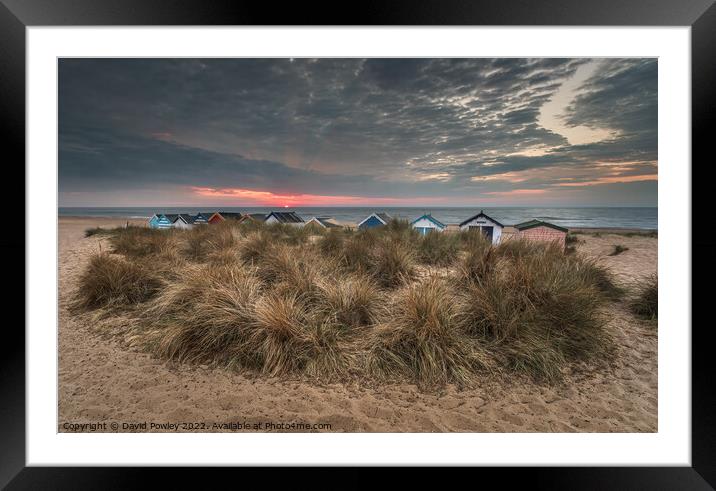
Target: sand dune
point(102, 380)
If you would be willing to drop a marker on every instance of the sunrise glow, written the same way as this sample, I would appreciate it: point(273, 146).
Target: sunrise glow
point(250, 197)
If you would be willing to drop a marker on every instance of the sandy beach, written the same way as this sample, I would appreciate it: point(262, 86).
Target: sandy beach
point(102, 379)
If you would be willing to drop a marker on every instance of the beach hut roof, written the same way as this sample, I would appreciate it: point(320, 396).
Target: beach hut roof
point(539, 223)
point(230, 214)
point(481, 214)
point(185, 217)
point(256, 217)
point(171, 217)
point(382, 216)
point(428, 216)
point(327, 222)
point(285, 217)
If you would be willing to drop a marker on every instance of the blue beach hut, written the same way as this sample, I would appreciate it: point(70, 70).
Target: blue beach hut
point(374, 220)
point(201, 218)
point(160, 220)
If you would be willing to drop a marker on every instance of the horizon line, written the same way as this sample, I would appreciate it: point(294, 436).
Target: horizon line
point(370, 207)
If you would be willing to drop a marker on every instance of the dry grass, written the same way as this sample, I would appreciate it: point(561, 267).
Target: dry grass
point(255, 246)
point(392, 264)
point(290, 269)
point(646, 302)
point(537, 308)
point(137, 242)
point(571, 238)
point(263, 299)
point(438, 249)
point(113, 282)
point(205, 317)
point(331, 243)
point(204, 241)
point(420, 337)
point(352, 300)
point(97, 231)
point(356, 250)
point(289, 337)
point(618, 249)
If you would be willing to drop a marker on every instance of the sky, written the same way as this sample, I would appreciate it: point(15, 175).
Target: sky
point(358, 132)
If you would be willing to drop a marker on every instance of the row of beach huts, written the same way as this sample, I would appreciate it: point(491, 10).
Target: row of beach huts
point(492, 229)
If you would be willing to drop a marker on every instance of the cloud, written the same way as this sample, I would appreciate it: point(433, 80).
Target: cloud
point(404, 128)
point(250, 197)
point(517, 192)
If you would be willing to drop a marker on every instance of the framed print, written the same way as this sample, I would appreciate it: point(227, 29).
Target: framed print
point(253, 239)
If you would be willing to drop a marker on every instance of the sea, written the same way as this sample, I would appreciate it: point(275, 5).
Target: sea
point(606, 217)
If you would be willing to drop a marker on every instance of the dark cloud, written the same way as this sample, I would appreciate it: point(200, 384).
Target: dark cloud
point(375, 127)
point(622, 96)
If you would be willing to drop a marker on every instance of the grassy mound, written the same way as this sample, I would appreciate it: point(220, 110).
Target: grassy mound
point(537, 309)
point(357, 250)
point(392, 264)
point(289, 337)
point(438, 249)
point(646, 303)
point(290, 269)
point(137, 242)
point(421, 337)
point(203, 242)
point(205, 316)
point(331, 243)
point(255, 246)
point(266, 299)
point(352, 301)
point(112, 282)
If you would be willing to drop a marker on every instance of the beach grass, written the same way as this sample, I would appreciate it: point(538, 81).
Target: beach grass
point(646, 302)
point(112, 282)
point(420, 337)
point(97, 231)
point(336, 304)
point(438, 249)
point(618, 249)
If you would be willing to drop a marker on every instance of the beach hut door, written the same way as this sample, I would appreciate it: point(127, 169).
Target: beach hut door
point(488, 232)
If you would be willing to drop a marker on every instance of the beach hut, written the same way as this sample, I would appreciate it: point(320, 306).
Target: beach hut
point(285, 217)
point(221, 216)
point(540, 231)
point(183, 221)
point(491, 228)
point(374, 220)
point(201, 218)
point(159, 220)
point(426, 224)
point(253, 218)
point(323, 222)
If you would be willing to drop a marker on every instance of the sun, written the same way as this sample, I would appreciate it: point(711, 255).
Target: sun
point(285, 206)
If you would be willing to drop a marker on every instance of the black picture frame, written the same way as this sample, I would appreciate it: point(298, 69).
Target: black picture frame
point(16, 15)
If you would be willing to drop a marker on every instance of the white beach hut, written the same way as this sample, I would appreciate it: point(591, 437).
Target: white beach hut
point(491, 228)
point(183, 221)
